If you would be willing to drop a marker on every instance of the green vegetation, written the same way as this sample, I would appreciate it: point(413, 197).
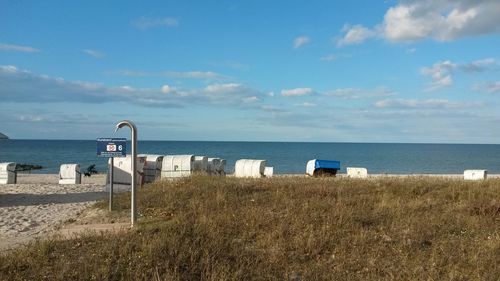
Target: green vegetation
point(286, 228)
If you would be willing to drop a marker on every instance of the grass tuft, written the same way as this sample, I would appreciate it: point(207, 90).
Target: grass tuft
point(293, 228)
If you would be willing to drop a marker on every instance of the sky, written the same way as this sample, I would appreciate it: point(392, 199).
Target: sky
point(316, 71)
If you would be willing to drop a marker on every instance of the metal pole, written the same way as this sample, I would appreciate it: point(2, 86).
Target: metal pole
point(133, 128)
point(111, 168)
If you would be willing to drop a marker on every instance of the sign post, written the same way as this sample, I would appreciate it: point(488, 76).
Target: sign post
point(111, 180)
point(133, 129)
point(109, 147)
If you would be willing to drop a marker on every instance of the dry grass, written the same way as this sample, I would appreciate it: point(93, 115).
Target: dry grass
point(204, 228)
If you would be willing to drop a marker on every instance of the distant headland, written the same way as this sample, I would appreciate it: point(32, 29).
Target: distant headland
point(3, 137)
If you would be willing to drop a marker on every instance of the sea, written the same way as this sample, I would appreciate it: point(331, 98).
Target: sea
point(285, 157)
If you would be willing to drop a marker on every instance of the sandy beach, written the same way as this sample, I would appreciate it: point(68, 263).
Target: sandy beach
point(37, 205)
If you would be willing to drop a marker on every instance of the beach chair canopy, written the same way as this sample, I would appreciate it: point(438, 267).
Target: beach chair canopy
point(316, 167)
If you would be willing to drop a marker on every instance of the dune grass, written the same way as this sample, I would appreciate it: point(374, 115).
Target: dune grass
point(286, 228)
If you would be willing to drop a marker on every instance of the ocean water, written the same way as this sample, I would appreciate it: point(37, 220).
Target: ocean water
point(285, 157)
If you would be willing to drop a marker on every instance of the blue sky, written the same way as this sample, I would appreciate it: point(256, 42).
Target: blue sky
point(392, 71)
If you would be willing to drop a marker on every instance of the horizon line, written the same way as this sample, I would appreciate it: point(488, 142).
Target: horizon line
point(269, 141)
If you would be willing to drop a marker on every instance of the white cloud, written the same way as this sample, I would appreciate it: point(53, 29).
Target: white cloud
point(133, 73)
point(271, 108)
point(387, 118)
point(17, 48)
point(251, 99)
point(493, 87)
point(402, 24)
point(441, 20)
point(19, 85)
point(94, 53)
point(234, 94)
point(345, 93)
point(166, 89)
point(300, 41)
point(193, 74)
point(425, 104)
point(222, 88)
point(296, 92)
point(146, 22)
point(231, 64)
point(355, 35)
point(173, 74)
point(328, 58)
point(411, 50)
point(30, 118)
point(489, 87)
point(9, 69)
point(478, 65)
point(358, 93)
point(442, 72)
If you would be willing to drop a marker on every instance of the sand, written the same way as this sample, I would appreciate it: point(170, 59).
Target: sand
point(38, 205)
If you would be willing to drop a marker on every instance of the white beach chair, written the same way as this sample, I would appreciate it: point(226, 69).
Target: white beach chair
point(122, 173)
point(216, 166)
point(200, 164)
point(268, 172)
point(358, 173)
point(8, 174)
point(70, 174)
point(176, 166)
point(249, 168)
point(152, 167)
point(475, 175)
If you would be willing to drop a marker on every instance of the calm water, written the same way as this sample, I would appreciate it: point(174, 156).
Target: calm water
point(285, 157)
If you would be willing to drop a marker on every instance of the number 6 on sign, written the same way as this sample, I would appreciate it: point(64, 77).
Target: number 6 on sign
point(120, 148)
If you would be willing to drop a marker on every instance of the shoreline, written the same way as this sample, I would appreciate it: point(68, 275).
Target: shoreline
point(51, 178)
point(451, 176)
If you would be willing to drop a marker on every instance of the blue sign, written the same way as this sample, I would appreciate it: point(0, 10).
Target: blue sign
point(108, 147)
